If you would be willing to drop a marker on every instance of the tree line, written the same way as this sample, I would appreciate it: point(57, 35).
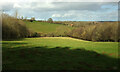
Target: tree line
point(14, 28)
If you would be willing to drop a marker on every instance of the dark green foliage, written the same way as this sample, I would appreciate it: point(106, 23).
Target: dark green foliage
point(35, 34)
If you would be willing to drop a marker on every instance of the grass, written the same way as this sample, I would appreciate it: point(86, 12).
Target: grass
point(59, 53)
point(45, 27)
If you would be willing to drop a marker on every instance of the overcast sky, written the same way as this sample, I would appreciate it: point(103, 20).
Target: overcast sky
point(71, 10)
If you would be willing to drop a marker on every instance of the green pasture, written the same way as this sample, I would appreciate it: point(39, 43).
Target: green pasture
point(59, 53)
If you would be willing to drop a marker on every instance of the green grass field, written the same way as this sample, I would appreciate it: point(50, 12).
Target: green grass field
point(59, 53)
point(46, 27)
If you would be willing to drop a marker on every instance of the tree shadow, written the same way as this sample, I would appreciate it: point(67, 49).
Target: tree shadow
point(15, 39)
point(56, 58)
point(13, 43)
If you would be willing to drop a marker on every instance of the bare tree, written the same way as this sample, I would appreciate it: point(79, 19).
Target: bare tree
point(16, 14)
point(22, 17)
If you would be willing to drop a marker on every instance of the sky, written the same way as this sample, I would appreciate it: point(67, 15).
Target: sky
point(63, 10)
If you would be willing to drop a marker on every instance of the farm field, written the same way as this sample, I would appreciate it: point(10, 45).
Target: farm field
point(45, 27)
point(59, 35)
point(59, 53)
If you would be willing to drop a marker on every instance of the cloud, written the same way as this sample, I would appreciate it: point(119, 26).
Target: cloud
point(56, 15)
point(63, 10)
point(64, 15)
point(16, 5)
point(67, 15)
point(59, 0)
point(52, 5)
point(63, 6)
point(6, 6)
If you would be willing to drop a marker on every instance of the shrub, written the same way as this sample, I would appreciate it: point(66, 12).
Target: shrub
point(13, 28)
point(32, 19)
point(35, 34)
point(98, 32)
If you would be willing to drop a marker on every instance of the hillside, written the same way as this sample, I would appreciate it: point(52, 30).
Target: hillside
point(45, 27)
point(59, 53)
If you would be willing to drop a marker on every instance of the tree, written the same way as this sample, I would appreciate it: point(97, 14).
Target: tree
point(22, 17)
point(50, 20)
point(25, 18)
point(16, 14)
point(32, 19)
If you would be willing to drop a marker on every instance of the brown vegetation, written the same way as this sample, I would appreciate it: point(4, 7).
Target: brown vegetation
point(13, 28)
point(106, 31)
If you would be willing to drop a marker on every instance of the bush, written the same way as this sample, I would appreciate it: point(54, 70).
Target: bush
point(35, 34)
point(32, 19)
point(99, 32)
point(13, 28)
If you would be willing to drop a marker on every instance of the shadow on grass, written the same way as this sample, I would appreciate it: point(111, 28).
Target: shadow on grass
point(13, 43)
point(19, 39)
point(56, 58)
